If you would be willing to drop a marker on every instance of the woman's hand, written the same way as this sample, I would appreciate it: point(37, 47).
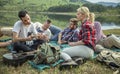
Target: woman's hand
point(72, 43)
point(76, 43)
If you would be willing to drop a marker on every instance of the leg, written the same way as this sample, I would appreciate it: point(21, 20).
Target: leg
point(111, 41)
point(55, 31)
point(99, 48)
point(54, 38)
point(18, 46)
point(37, 43)
point(81, 50)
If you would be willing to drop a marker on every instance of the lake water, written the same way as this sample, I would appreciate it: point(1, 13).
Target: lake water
point(9, 18)
point(111, 25)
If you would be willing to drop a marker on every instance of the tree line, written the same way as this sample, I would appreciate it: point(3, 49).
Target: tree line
point(92, 7)
point(69, 6)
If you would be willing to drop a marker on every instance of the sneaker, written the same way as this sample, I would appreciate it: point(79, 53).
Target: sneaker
point(79, 60)
point(68, 65)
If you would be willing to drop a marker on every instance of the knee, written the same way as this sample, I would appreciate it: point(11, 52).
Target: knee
point(90, 54)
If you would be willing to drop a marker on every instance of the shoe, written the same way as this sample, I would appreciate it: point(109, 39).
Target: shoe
point(80, 60)
point(68, 65)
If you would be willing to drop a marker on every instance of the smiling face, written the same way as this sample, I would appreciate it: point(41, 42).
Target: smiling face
point(26, 20)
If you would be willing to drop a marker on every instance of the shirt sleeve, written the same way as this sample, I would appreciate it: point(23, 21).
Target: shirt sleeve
point(64, 31)
point(16, 27)
point(34, 29)
point(49, 33)
point(75, 38)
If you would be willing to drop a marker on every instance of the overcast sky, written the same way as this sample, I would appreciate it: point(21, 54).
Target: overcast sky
point(94, 1)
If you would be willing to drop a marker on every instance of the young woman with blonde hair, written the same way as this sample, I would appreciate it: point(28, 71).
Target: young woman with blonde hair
point(86, 45)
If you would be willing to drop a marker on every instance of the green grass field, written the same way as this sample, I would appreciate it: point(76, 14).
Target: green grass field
point(90, 67)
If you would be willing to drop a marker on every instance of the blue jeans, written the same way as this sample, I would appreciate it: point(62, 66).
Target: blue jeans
point(55, 31)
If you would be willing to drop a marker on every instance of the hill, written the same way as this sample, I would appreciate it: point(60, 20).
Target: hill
point(108, 4)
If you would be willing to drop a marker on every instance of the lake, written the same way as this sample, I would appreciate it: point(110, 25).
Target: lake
point(61, 20)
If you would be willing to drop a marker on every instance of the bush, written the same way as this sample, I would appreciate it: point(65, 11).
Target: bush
point(64, 8)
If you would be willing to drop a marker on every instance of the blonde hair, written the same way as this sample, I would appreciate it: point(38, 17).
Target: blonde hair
point(92, 17)
point(84, 10)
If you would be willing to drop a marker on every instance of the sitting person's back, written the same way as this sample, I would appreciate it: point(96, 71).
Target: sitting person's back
point(99, 32)
point(102, 39)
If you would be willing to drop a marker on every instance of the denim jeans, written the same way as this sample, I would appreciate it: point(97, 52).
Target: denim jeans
point(21, 46)
point(55, 31)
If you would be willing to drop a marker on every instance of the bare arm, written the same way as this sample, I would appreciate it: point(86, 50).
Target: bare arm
point(4, 44)
point(76, 43)
point(59, 38)
point(16, 38)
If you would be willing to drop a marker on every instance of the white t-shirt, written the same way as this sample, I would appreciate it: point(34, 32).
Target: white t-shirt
point(47, 32)
point(23, 30)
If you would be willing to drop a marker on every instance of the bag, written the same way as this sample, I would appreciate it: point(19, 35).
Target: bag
point(110, 58)
point(48, 54)
point(17, 59)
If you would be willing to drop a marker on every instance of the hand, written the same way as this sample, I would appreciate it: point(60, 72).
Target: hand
point(40, 36)
point(9, 42)
point(72, 43)
point(59, 42)
point(29, 38)
point(46, 38)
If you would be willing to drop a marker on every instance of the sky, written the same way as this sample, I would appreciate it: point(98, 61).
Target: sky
point(94, 1)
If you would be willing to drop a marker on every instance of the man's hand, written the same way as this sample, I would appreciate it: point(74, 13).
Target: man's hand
point(29, 38)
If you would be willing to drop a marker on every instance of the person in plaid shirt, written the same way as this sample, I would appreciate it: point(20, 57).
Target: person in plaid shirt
point(69, 34)
point(86, 44)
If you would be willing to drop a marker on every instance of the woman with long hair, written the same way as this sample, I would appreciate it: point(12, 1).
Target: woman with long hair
point(86, 45)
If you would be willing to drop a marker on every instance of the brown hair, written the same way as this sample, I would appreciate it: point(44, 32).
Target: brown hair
point(74, 20)
point(48, 21)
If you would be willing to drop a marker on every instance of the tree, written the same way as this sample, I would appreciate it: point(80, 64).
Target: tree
point(23, 1)
point(3, 2)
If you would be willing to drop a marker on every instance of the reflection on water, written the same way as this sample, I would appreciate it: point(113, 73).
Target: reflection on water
point(106, 26)
point(60, 17)
point(8, 19)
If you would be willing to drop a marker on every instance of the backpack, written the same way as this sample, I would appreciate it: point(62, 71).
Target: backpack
point(109, 58)
point(48, 54)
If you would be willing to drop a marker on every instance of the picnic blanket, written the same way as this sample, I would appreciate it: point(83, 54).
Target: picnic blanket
point(43, 66)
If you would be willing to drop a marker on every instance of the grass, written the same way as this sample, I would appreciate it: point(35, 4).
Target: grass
point(112, 31)
point(90, 67)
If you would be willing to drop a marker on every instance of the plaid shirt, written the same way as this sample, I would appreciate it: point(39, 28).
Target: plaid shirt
point(87, 34)
point(70, 35)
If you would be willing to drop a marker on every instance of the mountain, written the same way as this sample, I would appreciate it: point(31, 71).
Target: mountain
point(82, 1)
point(108, 4)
